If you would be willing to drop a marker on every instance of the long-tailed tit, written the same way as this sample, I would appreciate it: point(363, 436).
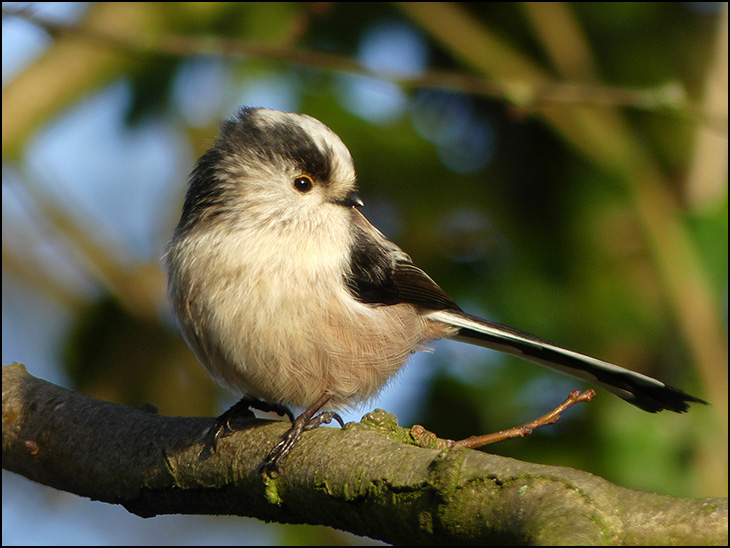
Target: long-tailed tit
point(286, 293)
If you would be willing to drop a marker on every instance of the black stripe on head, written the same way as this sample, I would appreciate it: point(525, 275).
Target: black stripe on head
point(252, 140)
point(276, 141)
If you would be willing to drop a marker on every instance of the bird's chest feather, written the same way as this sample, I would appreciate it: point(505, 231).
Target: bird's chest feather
point(252, 284)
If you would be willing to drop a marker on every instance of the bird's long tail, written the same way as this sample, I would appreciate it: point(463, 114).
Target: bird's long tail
point(642, 391)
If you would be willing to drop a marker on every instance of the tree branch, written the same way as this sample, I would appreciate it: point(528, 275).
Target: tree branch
point(368, 478)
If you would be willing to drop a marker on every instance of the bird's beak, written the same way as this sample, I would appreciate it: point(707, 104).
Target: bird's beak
point(351, 200)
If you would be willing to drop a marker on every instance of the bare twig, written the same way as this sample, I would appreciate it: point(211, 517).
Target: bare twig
point(575, 396)
point(424, 438)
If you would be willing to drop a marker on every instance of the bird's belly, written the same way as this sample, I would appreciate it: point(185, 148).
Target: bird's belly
point(292, 345)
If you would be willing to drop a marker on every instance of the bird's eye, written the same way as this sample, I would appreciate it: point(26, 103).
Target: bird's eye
point(303, 183)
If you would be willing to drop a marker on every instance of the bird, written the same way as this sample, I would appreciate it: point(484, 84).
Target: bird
point(289, 296)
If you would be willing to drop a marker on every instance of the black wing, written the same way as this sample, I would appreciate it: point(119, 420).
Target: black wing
point(381, 273)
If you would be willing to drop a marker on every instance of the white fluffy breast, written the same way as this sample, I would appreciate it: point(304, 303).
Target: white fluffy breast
point(272, 317)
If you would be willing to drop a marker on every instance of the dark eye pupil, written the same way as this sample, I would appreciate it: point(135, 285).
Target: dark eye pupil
point(303, 184)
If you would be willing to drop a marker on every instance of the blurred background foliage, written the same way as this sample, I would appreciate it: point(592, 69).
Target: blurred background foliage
point(561, 168)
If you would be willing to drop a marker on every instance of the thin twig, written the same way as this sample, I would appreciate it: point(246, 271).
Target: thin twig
point(426, 438)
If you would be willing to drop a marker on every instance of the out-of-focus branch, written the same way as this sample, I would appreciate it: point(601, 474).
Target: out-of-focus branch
point(667, 99)
point(706, 180)
point(139, 286)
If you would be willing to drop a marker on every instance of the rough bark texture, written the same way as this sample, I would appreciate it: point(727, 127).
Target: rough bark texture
point(370, 478)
